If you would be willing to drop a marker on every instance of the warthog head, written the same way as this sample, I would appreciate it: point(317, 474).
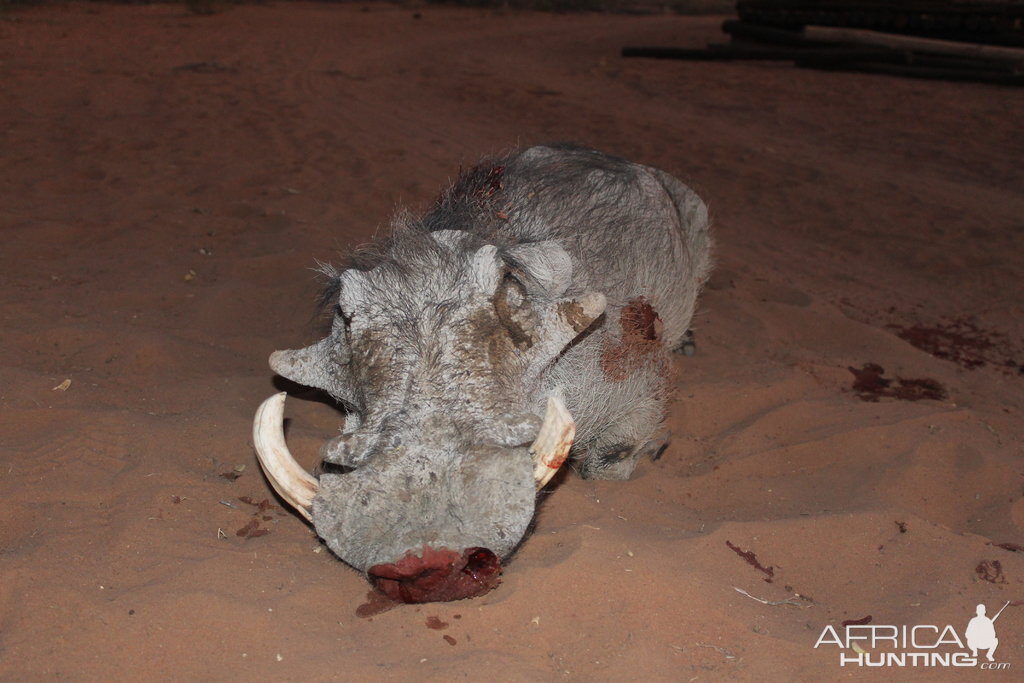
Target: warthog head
point(441, 352)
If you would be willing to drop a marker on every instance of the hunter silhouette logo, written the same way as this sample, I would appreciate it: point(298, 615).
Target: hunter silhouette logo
point(923, 645)
point(981, 633)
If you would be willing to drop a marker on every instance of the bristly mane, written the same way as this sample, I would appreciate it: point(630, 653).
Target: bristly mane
point(479, 202)
point(409, 243)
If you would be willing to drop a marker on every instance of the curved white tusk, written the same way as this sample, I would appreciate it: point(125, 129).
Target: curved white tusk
point(294, 484)
point(551, 447)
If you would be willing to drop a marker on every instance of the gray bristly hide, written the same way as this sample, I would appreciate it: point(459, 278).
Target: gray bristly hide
point(557, 271)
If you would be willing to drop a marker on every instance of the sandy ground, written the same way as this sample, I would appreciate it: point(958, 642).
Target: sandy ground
point(168, 181)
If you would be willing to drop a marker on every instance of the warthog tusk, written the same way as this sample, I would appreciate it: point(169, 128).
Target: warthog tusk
point(294, 484)
point(551, 447)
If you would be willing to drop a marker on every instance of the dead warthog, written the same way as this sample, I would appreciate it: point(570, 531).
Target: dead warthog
point(527, 318)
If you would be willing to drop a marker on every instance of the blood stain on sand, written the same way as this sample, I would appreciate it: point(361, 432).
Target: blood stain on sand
point(436, 623)
point(1012, 547)
point(376, 603)
point(991, 571)
point(252, 530)
point(752, 560)
point(959, 341)
point(870, 385)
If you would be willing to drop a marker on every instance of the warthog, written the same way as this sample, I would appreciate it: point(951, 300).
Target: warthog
point(528, 317)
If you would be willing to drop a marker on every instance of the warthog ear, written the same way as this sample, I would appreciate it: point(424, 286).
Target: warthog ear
point(354, 289)
point(547, 266)
point(486, 269)
point(512, 307)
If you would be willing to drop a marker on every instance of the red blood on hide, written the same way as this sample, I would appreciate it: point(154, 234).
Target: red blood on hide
point(640, 344)
point(438, 575)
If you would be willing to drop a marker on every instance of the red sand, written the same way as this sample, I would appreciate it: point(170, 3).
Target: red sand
point(166, 183)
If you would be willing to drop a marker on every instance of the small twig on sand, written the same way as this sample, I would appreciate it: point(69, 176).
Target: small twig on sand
point(720, 650)
point(790, 601)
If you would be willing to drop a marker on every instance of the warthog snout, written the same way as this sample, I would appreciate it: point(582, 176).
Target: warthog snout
point(437, 575)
